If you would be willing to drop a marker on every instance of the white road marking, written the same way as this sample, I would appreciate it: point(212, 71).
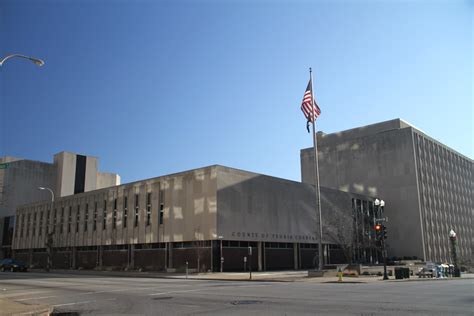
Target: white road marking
point(83, 302)
point(183, 291)
point(35, 298)
point(203, 289)
point(22, 294)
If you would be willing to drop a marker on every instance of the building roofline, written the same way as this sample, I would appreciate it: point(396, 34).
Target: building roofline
point(408, 125)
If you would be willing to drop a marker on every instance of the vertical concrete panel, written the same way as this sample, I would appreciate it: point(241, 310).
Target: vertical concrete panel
point(91, 174)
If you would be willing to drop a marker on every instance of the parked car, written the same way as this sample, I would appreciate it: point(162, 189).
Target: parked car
point(12, 265)
point(429, 270)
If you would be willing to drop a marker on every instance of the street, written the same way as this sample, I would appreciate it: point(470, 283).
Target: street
point(92, 294)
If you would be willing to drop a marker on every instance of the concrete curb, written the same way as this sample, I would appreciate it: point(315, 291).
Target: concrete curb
point(278, 277)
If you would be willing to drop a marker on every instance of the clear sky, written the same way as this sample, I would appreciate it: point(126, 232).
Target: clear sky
point(155, 87)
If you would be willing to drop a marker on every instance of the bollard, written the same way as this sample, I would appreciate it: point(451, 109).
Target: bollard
point(186, 269)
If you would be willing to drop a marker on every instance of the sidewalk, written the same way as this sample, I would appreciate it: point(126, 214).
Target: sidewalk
point(9, 307)
point(267, 276)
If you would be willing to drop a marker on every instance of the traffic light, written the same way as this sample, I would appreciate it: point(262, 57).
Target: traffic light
point(384, 232)
point(378, 231)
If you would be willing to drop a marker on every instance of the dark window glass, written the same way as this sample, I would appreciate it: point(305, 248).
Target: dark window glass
point(94, 223)
point(86, 217)
point(125, 212)
point(136, 211)
point(148, 209)
point(114, 215)
point(78, 217)
point(104, 215)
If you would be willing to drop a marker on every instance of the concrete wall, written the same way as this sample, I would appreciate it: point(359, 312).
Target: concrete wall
point(379, 165)
point(420, 189)
point(65, 164)
point(189, 206)
point(257, 207)
point(19, 184)
point(106, 179)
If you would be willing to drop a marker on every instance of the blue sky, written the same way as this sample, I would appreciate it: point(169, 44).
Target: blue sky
point(155, 87)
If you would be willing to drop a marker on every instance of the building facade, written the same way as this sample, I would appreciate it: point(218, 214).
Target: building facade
point(427, 187)
point(199, 216)
point(20, 178)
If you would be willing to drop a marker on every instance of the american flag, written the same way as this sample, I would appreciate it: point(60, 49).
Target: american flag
point(306, 105)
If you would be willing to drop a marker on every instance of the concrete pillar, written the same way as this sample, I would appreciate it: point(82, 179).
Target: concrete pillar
point(299, 256)
point(30, 257)
point(295, 256)
point(260, 261)
point(170, 255)
point(100, 253)
point(131, 256)
point(74, 258)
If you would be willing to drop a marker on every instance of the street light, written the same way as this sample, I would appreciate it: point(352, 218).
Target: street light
point(380, 204)
point(453, 238)
point(36, 61)
point(48, 189)
point(49, 235)
point(222, 255)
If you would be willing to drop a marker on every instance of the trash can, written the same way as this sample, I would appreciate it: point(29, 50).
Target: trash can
point(406, 273)
point(398, 273)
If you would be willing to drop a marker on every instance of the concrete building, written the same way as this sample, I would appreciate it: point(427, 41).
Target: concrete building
point(197, 216)
point(427, 186)
point(20, 178)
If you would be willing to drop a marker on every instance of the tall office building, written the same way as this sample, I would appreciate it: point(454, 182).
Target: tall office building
point(427, 187)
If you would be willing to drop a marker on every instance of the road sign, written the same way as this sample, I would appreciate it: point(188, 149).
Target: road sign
point(4, 165)
point(383, 219)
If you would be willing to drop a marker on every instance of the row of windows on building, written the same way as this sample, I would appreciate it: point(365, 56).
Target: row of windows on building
point(180, 245)
point(30, 220)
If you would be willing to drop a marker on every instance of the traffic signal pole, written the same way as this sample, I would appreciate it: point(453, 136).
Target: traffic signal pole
point(384, 254)
point(381, 235)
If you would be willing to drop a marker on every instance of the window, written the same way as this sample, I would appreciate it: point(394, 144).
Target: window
point(125, 211)
point(94, 224)
point(40, 229)
point(34, 223)
point(69, 220)
point(22, 225)
point(114, 215)
point(78, 217)
point(86, 217)
point(148, 208)
point(162, 205)
point(28, 225)
point(61, 228)
point(135, 223)
point(104, 215)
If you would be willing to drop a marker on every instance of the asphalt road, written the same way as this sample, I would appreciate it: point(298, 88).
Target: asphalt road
point(90, 295)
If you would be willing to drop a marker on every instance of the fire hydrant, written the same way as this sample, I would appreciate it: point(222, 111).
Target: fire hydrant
point(339, 275)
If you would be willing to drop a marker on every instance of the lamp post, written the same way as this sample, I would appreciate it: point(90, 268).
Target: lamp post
point(49, 235)
point(34, 60)
point(380, 205)
point(453, 238)
point(222, 255)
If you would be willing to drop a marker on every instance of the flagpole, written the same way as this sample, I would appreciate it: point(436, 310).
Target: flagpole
point(316, 176)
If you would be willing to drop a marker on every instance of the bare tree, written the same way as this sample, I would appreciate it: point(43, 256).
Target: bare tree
point(339, 229)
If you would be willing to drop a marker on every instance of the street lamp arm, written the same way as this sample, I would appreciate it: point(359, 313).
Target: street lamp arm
point(36, 61)
point(51, 191)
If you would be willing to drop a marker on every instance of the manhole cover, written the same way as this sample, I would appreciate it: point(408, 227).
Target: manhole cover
point(160, 298)
point(245, 302)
